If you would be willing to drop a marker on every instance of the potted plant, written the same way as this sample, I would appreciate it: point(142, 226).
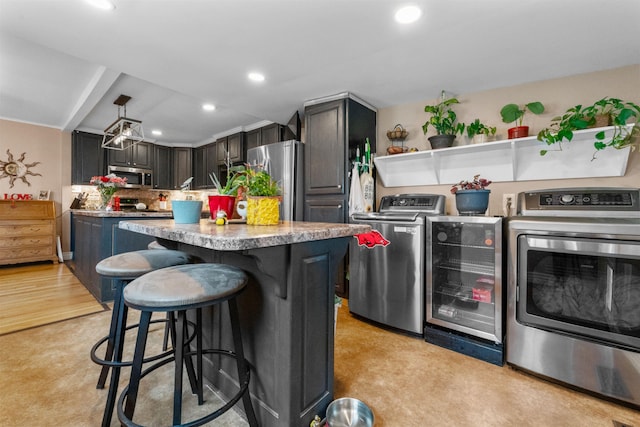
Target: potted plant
point(226, 198)
point(478, 132)
point(604, 112)
point(513, 113)
point(186, 211)
point(444, 121)
point(472, 197)
point(263, 197)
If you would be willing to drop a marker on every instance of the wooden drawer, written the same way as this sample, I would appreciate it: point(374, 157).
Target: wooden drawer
point(25, 241)
point(26, 254)
point(22, 210)
point(26, 228)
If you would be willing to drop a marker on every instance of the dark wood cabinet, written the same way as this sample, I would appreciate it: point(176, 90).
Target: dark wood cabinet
point(181, 166)
point(139, 155)
point(87, 157)
point(334, 131)
point(264, 135)
point(162, 167)
point(253, 138)
point(325, 209)
point(232, 144)
point(205, 161)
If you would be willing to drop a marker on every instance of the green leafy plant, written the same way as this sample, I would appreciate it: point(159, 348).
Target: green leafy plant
point(578, 118)
point(478, 128)
point(443, 118)
point(513, 113)
point(260, 183)
point(235, 178)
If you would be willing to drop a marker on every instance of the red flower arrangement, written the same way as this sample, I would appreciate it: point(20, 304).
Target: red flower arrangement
point(107, 186)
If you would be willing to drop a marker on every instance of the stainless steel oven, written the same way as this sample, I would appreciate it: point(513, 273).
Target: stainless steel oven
point(573, 289)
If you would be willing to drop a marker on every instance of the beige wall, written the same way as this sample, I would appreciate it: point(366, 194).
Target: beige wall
point(557, 95)
point(52, 149)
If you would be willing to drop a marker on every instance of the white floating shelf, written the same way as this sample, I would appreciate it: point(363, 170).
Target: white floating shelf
point(508, 160)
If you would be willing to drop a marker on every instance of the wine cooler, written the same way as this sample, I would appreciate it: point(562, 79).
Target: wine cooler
point(464, 297)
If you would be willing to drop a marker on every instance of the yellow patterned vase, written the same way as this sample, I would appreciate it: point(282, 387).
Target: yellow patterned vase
point(263, 210)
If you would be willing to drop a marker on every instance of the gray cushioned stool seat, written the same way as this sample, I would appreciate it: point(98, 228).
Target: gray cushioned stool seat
point(181, 288)
point(123, 268)
point(135, 264)
point(184, 286)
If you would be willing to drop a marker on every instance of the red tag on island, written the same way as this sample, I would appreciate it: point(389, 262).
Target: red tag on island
point(371, 239)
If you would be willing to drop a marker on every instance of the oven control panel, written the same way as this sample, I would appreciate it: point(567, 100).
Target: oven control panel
point(585, 199)
point(620, 202)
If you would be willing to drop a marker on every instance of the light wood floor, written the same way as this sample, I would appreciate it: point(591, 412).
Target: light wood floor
point(37, 294)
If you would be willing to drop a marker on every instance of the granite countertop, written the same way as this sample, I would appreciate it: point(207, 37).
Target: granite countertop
point(233, 236)
point(122, 214)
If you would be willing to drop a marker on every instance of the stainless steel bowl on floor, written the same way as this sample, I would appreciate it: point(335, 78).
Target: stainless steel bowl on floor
point(349, 412)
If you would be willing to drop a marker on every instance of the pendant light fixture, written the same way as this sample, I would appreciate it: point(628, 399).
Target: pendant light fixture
point(124, 132)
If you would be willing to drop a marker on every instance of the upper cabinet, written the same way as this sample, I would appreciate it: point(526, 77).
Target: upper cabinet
point(139, 155)
point(88, 157)
point(264, 135)
point(204, 162)
point(162, 167)
point(182, 166)
point(234, 145)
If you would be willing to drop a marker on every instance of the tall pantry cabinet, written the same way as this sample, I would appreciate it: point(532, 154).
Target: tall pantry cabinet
point(335, 127)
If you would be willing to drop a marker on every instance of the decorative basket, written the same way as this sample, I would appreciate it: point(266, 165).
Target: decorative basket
point(398, 133)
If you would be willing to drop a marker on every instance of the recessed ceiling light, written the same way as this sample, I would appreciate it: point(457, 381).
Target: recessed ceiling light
point(208, 107)
point(256, 77)
point(156, 132)
point(408, 14)
point(102, 4)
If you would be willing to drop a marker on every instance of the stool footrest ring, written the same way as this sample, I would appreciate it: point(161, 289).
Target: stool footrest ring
point(200, 421)
point(103, 362)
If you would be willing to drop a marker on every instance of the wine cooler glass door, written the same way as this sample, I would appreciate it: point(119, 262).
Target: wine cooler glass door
point(464, 282)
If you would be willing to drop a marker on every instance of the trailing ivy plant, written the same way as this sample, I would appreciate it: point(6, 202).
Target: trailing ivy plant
point(579, 118)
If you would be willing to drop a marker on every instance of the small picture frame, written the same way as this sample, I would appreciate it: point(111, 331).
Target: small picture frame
point(44, 194)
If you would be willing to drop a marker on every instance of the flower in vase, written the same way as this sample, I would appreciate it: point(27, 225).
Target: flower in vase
point(107, 186)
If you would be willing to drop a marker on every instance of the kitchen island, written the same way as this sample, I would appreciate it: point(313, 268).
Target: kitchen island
point(95, 236)
point(287, 310)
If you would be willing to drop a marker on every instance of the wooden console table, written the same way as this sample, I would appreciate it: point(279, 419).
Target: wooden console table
point(27, 231)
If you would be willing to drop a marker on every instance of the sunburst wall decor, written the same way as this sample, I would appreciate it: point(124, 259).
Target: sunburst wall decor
point(17, 169)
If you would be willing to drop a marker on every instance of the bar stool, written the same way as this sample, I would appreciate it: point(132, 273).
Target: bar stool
point(123, 268)
point(182, 288)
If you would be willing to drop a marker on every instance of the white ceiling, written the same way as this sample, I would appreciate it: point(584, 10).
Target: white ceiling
point(63, 62)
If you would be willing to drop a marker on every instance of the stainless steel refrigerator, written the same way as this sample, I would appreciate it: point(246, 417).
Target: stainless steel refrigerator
point(284, 161)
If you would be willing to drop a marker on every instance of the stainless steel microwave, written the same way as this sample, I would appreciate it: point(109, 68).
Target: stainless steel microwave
point(136, 177)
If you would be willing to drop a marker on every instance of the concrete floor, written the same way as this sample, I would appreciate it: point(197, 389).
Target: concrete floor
point(48, 379)
point(408, 382)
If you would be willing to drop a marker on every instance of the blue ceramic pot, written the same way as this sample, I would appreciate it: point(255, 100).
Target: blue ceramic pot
point(186, 211)
point(472, 202)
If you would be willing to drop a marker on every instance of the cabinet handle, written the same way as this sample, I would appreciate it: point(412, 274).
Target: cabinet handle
point(339, 186)
point(339, 206)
